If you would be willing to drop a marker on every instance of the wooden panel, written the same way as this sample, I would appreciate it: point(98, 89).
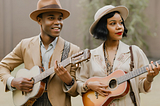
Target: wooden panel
point(1, 30)
point(23, 26)
point(7, 27)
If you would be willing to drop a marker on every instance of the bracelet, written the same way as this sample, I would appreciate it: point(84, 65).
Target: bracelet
point(149, 81)
point(85, 87)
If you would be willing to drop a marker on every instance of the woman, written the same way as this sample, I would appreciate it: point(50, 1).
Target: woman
point(110, 56)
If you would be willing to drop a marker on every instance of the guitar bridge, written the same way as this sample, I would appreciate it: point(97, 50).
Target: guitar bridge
point(22, 93)
point(96, 94)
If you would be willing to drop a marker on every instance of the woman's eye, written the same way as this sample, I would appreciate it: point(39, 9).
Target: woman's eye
point(113, 23)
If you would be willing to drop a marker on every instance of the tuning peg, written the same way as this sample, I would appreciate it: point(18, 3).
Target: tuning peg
point(87, 60)
point(77, 65)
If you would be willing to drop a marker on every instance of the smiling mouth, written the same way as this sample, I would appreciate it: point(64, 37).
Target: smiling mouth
point(56, 28)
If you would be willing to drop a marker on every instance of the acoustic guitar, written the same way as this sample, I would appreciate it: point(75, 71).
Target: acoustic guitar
point(37, 73)
point(117, 83)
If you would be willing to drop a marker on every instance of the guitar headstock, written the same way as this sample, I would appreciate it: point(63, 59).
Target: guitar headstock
point(80, 56)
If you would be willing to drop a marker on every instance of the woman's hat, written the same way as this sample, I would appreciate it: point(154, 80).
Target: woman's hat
point(48, 6)
point(105, 10)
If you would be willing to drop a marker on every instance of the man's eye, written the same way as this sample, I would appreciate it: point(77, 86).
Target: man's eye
point(60, 18)
point(51, 18)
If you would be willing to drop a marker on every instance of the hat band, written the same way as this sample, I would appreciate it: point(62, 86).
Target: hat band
point(51, 6)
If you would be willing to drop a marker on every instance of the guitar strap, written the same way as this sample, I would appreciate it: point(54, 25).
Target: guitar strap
point(44, 98)
point(66, 50)
point(132, 95)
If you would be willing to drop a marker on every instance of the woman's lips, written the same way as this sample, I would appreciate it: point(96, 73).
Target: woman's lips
point(119, 33)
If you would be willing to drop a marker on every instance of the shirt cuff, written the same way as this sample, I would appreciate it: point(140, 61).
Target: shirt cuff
point(69, 86)
point(9, 80)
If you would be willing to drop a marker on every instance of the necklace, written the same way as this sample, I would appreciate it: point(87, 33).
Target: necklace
point(108, 63)
point(49, 64)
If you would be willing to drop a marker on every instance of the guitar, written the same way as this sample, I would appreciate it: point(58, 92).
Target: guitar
point(117, 83)
point(37, 73)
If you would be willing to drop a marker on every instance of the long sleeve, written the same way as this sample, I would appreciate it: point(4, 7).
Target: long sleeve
point(8, 63)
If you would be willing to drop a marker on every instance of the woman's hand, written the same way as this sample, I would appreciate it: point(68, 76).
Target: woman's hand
point(99, 87)
point(152, 71)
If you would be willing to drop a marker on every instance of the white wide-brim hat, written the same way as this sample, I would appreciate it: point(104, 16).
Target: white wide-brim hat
point(105, 10)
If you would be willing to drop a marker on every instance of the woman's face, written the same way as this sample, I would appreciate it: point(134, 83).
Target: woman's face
point(115, 27)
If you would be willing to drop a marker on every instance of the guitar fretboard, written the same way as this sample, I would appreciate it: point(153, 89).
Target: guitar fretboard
point(134, 73)
point(74, 59)
point(48, 72)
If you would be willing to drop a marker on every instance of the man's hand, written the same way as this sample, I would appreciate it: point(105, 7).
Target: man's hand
point(62, 73)
point(23, 84)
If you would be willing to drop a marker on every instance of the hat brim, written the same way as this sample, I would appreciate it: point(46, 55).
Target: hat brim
point(35, 13)
point(123, 12)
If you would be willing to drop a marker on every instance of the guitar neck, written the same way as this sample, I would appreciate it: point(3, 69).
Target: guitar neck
point(49, 71)
point(134, 73)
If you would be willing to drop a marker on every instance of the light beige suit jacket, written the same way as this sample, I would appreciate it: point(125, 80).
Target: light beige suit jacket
point(28, 52)
point(96, 68)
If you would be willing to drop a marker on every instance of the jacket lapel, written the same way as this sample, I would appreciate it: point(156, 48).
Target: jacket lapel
point(122, 55)
point(35, 51)
point(99, 56)
point(57, 53)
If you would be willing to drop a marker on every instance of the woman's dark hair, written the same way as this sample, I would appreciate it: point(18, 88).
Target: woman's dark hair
point(101, 31)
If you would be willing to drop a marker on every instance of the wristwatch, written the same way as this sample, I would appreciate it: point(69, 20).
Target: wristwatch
point(72, 82)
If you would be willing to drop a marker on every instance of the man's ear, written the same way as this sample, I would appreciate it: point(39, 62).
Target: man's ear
point(39, 20)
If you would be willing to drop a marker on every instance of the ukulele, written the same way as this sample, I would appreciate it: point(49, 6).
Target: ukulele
point(117, 83)
point(38, 73)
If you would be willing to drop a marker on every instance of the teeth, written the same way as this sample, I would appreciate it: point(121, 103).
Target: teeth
point(56, 28)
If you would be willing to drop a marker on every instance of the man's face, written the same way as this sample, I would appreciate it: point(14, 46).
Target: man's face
point(51, 23)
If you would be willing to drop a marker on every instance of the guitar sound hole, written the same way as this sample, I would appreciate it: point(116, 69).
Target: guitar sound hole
point(113, 83)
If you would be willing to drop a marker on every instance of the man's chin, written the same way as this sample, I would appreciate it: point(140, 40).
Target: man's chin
point(54, 36)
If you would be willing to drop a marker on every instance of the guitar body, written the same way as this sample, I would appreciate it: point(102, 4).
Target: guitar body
point(90, 99)
point(19, 97)
point(38, 74)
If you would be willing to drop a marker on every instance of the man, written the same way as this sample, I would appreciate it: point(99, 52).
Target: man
point(43, 50)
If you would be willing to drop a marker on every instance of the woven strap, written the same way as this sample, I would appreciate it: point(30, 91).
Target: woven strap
point(132, 62)
point(66, 50)
point(132, 95)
